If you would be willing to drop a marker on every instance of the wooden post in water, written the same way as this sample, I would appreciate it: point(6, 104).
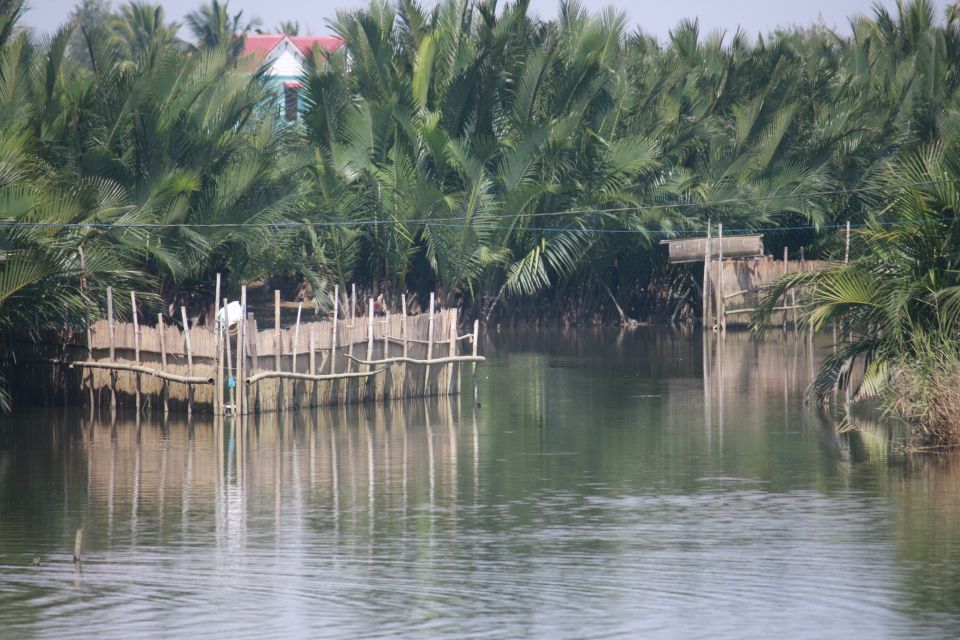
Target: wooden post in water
point(313, 365)
point(250, 332)
point(403, 332)
point(786, 256)
point(426, 369)
point(721, 303)
point(294, 348)
point(186, 340)
point(86, 310)
point(333, 337)
point(365, 381)
point(296, 339)
point(241, 348)
point(476, 341)
point(218, 345)
point(846, 260)
point(113, 349)
point(136, 343)
point(451, 352)
point(165, 390)
point(707, 303)
point(386, 346)
point(228, 371)
point(278, 348)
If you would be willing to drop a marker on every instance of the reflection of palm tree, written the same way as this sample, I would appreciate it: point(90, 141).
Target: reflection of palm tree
point(213, 26)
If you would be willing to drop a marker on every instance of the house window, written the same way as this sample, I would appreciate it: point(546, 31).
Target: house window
point(291, 92)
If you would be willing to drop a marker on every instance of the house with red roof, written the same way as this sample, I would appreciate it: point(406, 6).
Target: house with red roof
point(281, 58)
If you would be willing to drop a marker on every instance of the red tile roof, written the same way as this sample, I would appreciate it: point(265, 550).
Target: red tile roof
point(259, 46)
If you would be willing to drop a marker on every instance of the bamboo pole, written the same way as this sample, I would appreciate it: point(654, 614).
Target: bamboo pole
point(186, 339)
point(231, 390)
point(333, 336)
point(433, 361)
point(353, 302)
point(122, 366)
point(426, 372)
point(707, 302)
point(218, 392)
point(241, 348)
point(313, 364)
point(403, 331)
point(86, 310)
point(296, 338)
point(277, 345)
point(369, 343)
point(786, 256)
point(721, 306)
point(113, 353)
point(250, 330)
point(165, 391)
point(476, 341)
point(452, 351)
point(136, 343)
point(263, 375)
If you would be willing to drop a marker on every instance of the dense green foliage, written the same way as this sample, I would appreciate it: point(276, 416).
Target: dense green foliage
point(471, 148)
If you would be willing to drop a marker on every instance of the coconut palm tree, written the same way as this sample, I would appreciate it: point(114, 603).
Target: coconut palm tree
point(213, 27)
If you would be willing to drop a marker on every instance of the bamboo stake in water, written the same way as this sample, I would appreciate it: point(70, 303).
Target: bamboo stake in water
point(451, 352)
point(113, 353)
point(707, 303)
point(241, 348)
point(296, 338)
point(721, 304)
point(136, 343)
point(186, 339)
point(353, 303)
point(278, 347)
point(313, 364)
point(476, 340)
point(369, 344)
point(426, 370)
point(231, 391)
point(86, 310)
point(403, 332)
point(218, 392)
point(165, 390)
point(333, 337)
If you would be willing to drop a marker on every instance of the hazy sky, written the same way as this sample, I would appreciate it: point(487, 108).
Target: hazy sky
point(656, 17)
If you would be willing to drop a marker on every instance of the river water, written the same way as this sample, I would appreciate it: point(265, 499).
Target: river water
point(631, 485)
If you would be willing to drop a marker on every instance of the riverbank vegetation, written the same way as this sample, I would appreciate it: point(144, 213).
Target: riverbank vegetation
point(507, 161)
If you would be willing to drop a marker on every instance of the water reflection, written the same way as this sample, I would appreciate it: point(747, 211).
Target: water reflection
point(636, 484)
